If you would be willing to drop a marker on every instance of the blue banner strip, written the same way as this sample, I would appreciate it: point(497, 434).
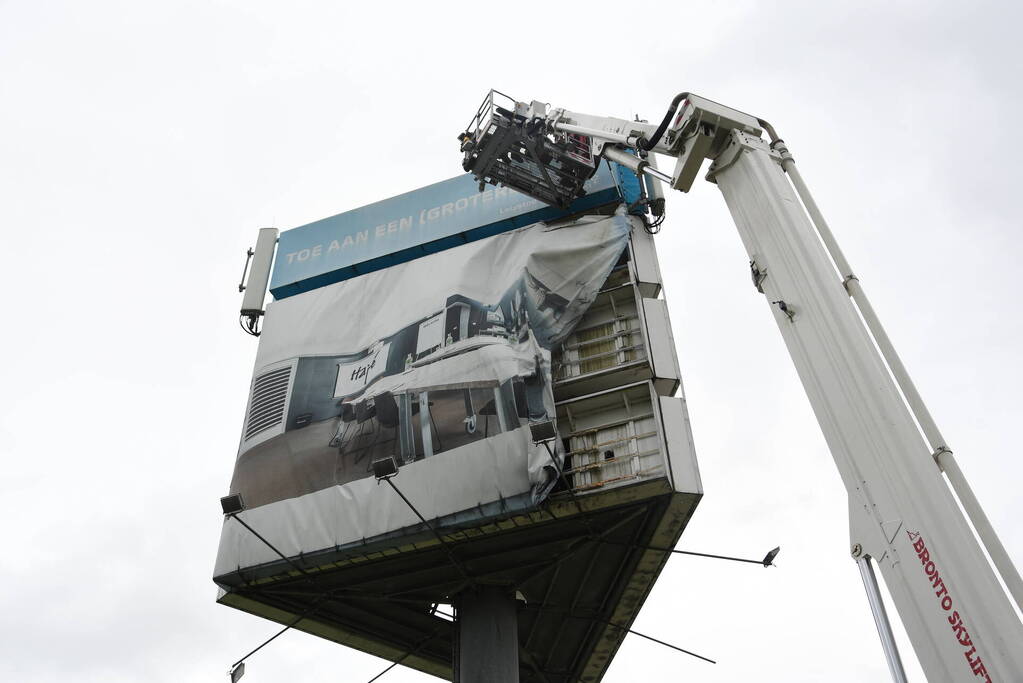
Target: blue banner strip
point(431, 219)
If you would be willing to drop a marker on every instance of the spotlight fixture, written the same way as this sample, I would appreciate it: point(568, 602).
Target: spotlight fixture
point(769, 557)
point(541, 432)
point(232, 504)
point(385, 468)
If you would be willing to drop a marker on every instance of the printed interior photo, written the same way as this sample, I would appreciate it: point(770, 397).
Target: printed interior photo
point(455, 375)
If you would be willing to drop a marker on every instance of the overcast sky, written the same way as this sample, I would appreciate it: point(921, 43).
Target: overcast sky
point(143, 144)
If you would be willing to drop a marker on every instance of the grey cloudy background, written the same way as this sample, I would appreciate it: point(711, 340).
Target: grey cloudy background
point(142, 145)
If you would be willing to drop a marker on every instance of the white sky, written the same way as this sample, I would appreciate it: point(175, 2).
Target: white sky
point(142, 145)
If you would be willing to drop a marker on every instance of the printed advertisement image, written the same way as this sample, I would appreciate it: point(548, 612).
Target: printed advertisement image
point(442, 363)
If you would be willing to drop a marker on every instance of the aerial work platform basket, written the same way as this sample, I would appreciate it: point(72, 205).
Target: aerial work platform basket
point(504, 144)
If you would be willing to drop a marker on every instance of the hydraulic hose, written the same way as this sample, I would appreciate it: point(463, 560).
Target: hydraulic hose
point(647, 145)
point(770, 130)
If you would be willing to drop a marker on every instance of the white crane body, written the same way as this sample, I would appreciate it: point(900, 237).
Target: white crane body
point(889, 454)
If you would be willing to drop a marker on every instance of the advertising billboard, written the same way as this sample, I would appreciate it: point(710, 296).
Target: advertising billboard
point(442, 363)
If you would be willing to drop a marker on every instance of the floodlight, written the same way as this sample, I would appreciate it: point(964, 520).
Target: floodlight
point(769, 557)
point(385, 468)
point(237, 671)
point(232, 504)
point(542, 431)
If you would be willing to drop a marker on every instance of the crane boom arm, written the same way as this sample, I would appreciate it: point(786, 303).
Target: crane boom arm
point(903, 515)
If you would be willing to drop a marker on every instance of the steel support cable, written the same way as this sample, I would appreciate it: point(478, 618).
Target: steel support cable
point(327, 595)
point(271, 546)
point(763, 563)
point(313, 608)
point(308, 611)
point(569, 615)
point(444, 546)
point(659, 642)
point(415, 649)
point(306, 575)
point(318, 597)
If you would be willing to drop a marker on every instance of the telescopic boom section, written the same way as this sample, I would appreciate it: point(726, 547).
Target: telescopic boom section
point(960, 621)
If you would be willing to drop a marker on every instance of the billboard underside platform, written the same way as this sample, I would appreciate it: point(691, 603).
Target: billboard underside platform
point(583, 565)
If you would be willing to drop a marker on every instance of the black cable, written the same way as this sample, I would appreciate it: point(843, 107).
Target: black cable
point(653, 227)
point(251, 327)
point(647, 145)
